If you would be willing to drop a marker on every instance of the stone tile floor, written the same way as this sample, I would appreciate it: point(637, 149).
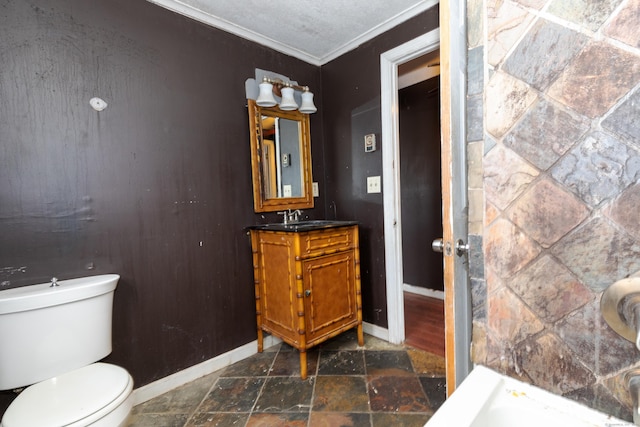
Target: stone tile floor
point(376, 385)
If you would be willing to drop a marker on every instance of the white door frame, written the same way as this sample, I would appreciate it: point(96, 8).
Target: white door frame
point(389, 62)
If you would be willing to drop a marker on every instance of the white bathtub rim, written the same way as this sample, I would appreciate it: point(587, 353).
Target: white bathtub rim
point(498, 391)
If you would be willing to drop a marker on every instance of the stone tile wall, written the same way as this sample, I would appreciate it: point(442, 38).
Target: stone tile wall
point(553, 115)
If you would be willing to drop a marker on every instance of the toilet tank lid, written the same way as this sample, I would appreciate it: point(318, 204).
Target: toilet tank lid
point(33, 297)
point(70, 397)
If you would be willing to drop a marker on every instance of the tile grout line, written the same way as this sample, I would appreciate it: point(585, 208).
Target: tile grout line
point(195, 411)
point(366, 385)
point(267, 376)
point(313, 390)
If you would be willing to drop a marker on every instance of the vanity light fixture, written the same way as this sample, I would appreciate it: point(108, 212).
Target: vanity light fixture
point(307, 106)
point(288, 103)
point(286, 90)
point(266, 98)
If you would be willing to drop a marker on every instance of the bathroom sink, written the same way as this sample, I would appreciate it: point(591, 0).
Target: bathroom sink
point(312, 224)
point(489, 399)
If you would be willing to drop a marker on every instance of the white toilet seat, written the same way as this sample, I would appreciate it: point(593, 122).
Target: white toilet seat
point(74, 399)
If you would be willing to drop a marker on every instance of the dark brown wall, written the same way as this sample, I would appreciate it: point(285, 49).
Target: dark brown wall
point(351, 108)
point(156, 188)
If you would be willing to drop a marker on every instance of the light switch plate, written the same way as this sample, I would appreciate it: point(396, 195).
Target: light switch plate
point(373, 184)
point(316, 192)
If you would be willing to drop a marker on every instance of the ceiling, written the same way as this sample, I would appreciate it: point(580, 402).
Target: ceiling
point(315, 31)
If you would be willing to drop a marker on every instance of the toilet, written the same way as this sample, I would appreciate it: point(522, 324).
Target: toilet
point(52, 336)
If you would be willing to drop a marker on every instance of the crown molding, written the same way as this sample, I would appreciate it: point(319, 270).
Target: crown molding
point(189, 11)
point(379, 29)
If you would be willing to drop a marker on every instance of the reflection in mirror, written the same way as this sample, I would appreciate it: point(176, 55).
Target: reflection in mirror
point(281, 140)
point(280, 159)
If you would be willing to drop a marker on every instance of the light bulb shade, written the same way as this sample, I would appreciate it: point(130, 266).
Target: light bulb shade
point(288, 103)
point(265, 98)
point(307, 106)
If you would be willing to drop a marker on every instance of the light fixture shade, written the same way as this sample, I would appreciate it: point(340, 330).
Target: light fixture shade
point(265, 98)
point(307, 106)
point(288, 103)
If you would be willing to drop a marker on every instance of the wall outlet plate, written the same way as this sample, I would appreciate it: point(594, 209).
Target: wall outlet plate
point(316, 192)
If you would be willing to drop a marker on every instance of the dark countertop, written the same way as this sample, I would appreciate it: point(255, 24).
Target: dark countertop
point(309, 225)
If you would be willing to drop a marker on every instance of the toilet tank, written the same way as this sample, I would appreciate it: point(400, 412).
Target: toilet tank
point(46, 331)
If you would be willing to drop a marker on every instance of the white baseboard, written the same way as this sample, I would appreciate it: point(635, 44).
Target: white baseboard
point(432, 293)
point(376, 331)
point(168, 383)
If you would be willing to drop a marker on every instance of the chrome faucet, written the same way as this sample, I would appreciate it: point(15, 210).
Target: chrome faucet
point(632, 380)
point(620, 307)
point(291, 216)
point(54, 282)
point(295, 215)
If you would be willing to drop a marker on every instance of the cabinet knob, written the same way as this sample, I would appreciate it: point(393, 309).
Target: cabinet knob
point(307, 293)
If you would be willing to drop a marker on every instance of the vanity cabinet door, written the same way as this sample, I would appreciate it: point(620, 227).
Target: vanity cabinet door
point(276, 291)
point(329, 295)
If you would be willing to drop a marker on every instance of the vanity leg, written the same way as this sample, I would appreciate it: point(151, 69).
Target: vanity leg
point(260, 338)
point(360, 335)
point(303, 365)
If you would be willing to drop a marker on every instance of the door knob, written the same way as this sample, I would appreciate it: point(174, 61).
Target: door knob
point(461, 247)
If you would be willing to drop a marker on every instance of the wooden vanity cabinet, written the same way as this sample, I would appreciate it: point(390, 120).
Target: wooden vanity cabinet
point(307, 285)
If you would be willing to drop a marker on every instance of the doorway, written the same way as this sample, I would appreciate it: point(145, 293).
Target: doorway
point(420, 173)
point(389, 62)
point(421, 201)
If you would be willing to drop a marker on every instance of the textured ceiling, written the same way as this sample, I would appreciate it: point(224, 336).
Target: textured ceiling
point(311, 30)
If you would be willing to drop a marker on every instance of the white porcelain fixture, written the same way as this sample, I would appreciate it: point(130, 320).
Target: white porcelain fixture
point(488, 399)
point(51, 335)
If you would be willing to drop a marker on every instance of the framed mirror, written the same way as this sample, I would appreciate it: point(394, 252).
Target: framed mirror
point(280, 159)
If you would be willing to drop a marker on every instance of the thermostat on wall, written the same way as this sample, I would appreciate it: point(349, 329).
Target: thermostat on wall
point(370, 143)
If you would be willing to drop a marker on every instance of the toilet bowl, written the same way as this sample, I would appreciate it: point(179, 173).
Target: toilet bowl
point(52, 336)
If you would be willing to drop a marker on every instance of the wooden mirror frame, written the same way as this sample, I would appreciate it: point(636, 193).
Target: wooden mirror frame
point(260, 203)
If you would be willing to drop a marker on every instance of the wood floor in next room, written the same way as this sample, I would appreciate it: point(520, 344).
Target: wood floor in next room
point(424, 323)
